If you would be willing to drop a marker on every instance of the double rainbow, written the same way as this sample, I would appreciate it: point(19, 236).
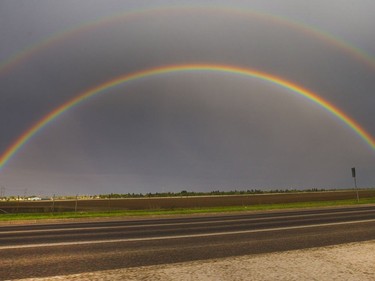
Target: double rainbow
point(228, 69)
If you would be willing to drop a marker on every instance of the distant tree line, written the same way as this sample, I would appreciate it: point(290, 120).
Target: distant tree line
point(185, 193)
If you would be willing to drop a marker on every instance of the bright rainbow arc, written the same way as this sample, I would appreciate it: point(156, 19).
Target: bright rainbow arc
point(43, 122)
point(59, 37)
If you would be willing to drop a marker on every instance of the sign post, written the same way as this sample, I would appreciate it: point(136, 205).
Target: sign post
point(355, 183)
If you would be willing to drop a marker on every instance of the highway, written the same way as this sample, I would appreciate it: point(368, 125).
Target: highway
point(41, 250)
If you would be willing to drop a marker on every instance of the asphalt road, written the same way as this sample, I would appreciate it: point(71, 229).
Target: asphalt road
point(39, 250)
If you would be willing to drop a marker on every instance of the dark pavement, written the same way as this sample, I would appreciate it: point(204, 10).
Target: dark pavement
point(57, 249)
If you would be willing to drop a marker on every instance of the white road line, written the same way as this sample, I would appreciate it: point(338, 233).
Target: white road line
point(171, 224)
point(177, 236)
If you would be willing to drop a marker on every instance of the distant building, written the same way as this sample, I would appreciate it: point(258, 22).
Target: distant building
point(34, 198)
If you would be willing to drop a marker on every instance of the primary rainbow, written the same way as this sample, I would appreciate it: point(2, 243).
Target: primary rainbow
point(228, 69)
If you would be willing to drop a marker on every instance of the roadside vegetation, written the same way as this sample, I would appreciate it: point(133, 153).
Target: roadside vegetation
point(180, 211)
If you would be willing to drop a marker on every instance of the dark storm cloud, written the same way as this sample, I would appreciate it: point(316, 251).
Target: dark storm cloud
point(183, 131)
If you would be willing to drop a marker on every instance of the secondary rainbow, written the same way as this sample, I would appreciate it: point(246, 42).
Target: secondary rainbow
point(59, 37)
point(218, 68)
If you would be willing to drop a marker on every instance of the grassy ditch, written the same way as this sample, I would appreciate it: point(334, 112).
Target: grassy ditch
point(181, 211)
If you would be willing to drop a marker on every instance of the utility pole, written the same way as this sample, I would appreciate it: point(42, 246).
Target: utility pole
point(75, 207)
point(355, 183)
point(53, 203)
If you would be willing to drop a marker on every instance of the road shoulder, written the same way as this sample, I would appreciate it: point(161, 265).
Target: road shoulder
point(353, 261)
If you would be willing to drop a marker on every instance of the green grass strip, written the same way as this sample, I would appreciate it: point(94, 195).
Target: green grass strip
point(127, 213)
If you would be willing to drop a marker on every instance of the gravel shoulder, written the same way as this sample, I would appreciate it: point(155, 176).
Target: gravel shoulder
point(353, 261)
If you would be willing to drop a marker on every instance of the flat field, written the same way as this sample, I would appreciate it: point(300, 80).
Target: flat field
point(170, 203)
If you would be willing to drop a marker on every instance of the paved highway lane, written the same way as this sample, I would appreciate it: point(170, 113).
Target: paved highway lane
point(58, 249)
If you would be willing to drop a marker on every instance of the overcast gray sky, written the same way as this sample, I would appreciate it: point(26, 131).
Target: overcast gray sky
point(197, 131)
